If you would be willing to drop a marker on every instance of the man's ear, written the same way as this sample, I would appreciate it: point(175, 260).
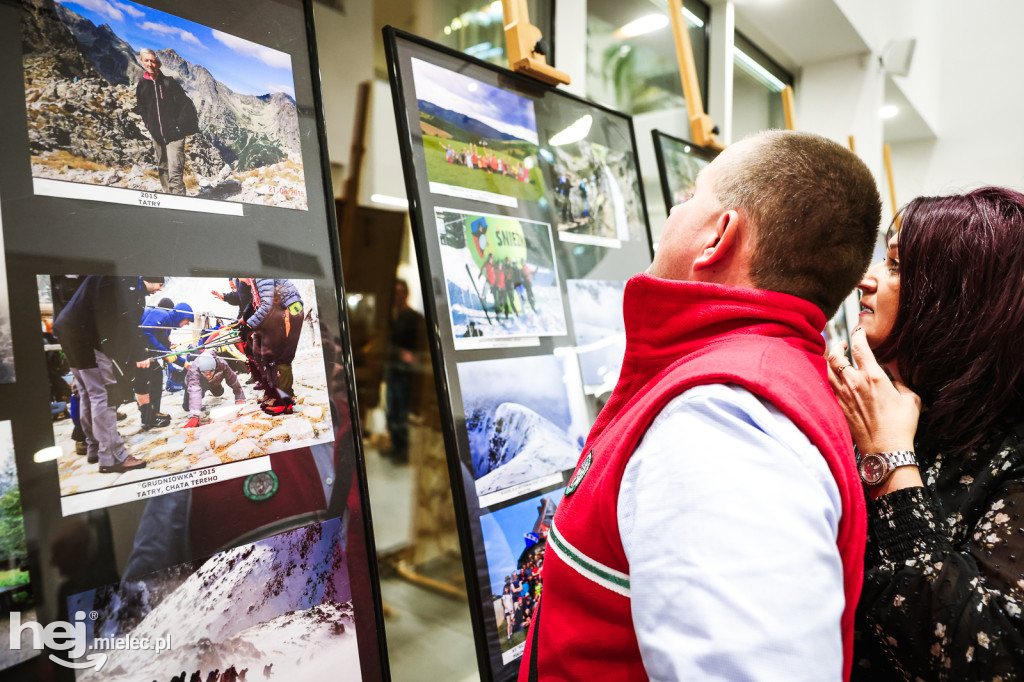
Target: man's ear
point(723, 241)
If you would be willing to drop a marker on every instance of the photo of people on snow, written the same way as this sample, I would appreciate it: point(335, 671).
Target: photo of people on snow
point(157, 375)
point(521, 431)
point(123, 96)
point(515, 538)
point(501, 277)
point(596, 192)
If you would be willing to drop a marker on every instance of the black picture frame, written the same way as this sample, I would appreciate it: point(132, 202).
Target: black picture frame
point(586, 266)
point(51, 235)
point(668, 149)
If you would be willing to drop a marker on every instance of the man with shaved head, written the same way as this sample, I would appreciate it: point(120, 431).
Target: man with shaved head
point(170, 116)
point(714, 527)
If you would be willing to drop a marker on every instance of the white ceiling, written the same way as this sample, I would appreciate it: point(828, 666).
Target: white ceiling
point(810, 30)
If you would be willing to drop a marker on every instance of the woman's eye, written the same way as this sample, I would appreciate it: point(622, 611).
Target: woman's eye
point(892, 265)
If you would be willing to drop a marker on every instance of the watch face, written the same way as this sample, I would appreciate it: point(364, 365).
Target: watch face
point(872, 469)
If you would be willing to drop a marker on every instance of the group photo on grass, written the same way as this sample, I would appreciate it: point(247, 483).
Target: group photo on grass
point(479, 141)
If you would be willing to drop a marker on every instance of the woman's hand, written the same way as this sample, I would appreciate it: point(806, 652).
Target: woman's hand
point(882, 414)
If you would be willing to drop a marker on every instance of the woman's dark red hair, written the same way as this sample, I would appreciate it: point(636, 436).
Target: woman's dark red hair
point(957, 338)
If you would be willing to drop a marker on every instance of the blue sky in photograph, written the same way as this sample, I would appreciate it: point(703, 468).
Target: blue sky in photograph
point(243, 66)
point(538, 383)
point(503, 536)
point(500, 109)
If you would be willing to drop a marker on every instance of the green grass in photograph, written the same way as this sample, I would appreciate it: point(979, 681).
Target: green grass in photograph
point(13, 578)
point(439, 170)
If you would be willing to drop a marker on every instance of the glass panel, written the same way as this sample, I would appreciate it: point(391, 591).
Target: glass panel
point(631, 56)
point(757, 84)
point(476, 27)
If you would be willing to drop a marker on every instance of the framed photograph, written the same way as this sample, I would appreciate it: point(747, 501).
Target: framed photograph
point(129, 104)
point(528, 218)
point(211, 383)
point(679, 162)
point(184, 413)
point(501, 277)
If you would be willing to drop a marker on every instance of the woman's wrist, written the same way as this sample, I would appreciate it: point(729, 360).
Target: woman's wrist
point(900, 478)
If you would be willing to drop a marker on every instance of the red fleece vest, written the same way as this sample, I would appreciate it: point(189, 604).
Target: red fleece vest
point(680, 335)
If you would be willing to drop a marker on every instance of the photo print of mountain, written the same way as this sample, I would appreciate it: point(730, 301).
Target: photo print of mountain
point(526, 422)
point(480, 141)
point(596, 309)
point(501, 277)
point(280, 608)
point(204, 115)
point(596, 193)
point(15, 584)
point(198, 396)
point(6, 343)
point(514, 541)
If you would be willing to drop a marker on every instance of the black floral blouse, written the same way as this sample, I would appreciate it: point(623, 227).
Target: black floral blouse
point(944, 582)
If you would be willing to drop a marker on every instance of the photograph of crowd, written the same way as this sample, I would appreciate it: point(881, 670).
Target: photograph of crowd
point(501, 277)
point(480, 141)
point(596, 309)
point(15, 582)
point(278, 609)
point(596, 193)
point(120, 95)
point(514, 542)
point(682, 162)
point(519, 430)
point(152, 376)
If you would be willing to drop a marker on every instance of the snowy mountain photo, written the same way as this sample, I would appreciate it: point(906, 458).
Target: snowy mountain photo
point(596, 309)
point(520, 429)
point(283, 604)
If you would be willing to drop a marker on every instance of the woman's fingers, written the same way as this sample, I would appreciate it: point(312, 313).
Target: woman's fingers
point(861, 352)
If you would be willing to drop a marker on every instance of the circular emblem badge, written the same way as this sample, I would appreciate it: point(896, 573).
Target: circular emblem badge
point(581, 471)
point(261, 486)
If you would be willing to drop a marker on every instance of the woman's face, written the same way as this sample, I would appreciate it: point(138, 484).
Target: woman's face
point(880, 296)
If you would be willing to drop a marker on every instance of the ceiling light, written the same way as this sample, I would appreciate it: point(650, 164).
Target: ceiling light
point(755, 70)
point(889, 111)
point(690, 17)
point(574, 133)
point(638, 27)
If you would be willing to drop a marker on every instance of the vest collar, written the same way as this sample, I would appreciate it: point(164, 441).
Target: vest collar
point(668, 319)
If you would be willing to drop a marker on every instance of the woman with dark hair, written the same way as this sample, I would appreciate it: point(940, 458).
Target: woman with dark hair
point(940, 436)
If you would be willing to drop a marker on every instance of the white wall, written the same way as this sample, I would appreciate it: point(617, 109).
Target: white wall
point(345, 50)
point(981, 133)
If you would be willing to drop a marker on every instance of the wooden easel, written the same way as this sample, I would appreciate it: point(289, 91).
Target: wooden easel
point(526, 46)
point(702, 130)
point(789, 107)
point(887, 157)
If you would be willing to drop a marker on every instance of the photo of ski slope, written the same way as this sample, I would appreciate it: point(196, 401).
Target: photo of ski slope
point(101, 127)
point(207, 377)
point(501, 278)
point(515, 539)
point(278, 609)
point(596, 309)
point(525, 419)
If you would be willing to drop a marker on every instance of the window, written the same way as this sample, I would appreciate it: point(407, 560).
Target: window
point(757, 84)
point(477, 27)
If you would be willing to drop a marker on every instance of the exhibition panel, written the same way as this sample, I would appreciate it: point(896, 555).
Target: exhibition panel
point(182, 487)
point(679, 162)
point(528, 218)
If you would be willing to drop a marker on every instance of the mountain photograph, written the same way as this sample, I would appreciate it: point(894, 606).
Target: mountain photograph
point(519, 430)
point(480, 142)
point(83, 69)
point(279, 608)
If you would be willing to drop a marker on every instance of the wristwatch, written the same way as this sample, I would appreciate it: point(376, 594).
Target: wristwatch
point(875, 467)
